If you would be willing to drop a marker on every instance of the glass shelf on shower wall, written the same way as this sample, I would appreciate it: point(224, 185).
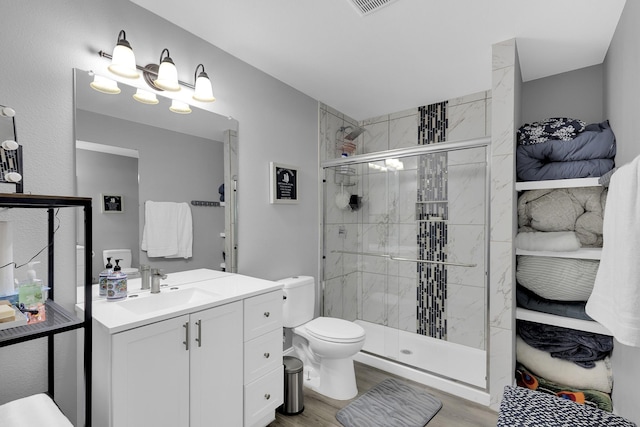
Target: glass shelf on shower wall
point(344, 175)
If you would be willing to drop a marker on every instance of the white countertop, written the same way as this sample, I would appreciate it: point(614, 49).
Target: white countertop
point(180, 293)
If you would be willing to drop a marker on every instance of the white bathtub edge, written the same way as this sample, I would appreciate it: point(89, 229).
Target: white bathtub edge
point(442, 384)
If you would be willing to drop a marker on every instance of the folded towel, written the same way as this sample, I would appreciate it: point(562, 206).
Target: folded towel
point(168, 230)
point(564, 372)
point(615, 298)
point(556, 241)
point(580, 347)
point(593, 398)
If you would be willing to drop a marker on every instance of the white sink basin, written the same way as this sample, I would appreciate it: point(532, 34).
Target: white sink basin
point(167, 298)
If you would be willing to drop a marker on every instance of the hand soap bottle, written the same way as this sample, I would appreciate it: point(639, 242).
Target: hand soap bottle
point(30, 290)
point(116, 283)
point(103, 278)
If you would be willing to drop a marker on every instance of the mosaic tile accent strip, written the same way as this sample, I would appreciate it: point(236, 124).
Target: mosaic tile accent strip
point(432, 212)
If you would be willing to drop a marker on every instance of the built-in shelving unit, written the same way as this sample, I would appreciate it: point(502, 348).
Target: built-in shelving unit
point(565, 322)
point(58, 319)
point(557, 183)
point(582, 253)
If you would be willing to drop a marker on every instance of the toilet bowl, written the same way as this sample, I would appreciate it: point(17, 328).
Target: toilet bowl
point(325, 345)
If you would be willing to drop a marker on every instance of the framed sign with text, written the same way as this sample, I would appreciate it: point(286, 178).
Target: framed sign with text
point(284, 183)
point(112, 203)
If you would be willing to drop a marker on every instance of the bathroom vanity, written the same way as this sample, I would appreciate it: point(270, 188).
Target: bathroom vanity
point(206, 350)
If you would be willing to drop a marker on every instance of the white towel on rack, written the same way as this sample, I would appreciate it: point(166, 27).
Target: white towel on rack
point(615, 298)
point(168, 230)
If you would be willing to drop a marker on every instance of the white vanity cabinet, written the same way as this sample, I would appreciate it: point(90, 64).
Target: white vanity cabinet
point(184, 371)
point(263, 369)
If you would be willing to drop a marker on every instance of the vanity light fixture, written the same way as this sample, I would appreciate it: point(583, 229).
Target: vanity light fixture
point(203, 91)
point(145, 97)
point(104, 85)
point(179, 107)
point(167, 74)
point(123, 62)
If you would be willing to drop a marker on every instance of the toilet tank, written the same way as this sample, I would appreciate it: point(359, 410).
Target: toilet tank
point(299, 300)
point(122, 254)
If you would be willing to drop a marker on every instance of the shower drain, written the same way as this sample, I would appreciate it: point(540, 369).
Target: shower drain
point(405, 351)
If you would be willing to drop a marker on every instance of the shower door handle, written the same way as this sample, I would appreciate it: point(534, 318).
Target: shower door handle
point(426, 261)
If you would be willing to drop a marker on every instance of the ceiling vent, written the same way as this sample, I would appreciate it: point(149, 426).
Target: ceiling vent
point(365, 7)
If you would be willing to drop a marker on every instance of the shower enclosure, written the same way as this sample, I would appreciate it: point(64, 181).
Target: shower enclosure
point(405, 248)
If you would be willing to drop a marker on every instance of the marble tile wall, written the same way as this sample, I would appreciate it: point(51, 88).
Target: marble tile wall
point(506, 83)
point(381, 291)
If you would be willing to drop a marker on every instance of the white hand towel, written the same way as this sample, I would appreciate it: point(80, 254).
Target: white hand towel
point(185, 232)
point(615, 298)
point(160, 232)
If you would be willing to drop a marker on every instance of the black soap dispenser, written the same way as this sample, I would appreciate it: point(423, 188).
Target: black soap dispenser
point(104, 274)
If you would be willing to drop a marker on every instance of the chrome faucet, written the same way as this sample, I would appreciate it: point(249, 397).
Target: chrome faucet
point(145, 271)
point(156, 275)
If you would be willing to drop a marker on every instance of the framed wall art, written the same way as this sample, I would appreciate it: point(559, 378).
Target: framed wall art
point(111, 203)
point(284, 183)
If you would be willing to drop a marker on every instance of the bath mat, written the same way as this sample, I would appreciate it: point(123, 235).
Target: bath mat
point(391, 403)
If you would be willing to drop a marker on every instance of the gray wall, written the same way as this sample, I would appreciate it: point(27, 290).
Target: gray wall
point(622, 107)
point(42, 42)
point(103, 173)
point(577, 94)
point(173, 167)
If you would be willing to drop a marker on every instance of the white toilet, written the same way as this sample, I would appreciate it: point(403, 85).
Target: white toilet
point(125, 256)
point(325, 345)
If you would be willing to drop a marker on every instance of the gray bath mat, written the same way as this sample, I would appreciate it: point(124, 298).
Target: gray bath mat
point(391, 403)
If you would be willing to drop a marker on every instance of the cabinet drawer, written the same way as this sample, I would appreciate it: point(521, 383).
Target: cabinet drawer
point(262, 355)
point(262, 314)
point(263, 396)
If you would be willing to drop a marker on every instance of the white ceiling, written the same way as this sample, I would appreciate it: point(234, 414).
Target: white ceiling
point(409, 53)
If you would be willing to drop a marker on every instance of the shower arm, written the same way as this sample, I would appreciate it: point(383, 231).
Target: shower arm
point(397, 258)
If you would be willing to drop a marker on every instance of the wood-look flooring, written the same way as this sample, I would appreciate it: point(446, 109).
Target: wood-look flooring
point(320, 411)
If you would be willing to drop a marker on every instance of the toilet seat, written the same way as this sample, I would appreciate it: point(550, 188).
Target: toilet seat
point(335, 330)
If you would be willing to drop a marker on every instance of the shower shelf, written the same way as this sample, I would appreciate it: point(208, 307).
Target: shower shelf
point(432, 201)
point(346, 171)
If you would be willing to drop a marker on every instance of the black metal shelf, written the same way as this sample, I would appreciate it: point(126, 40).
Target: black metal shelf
point(57, 319)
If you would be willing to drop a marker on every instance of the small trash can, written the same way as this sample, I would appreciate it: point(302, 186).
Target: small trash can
point(293, 397)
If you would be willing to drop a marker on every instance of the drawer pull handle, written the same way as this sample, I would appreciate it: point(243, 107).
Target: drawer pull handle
point(267, 314)
point(266, 355)
point(267, 396)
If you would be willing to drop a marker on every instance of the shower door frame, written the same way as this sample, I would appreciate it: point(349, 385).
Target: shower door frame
point(440, 147)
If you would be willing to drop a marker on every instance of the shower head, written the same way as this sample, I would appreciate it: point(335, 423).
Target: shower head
point(353, 133)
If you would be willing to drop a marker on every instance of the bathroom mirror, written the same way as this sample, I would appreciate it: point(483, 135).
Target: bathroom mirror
point(133, 153)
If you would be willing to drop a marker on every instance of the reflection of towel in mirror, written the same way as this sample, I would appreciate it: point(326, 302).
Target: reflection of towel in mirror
point(168, 230)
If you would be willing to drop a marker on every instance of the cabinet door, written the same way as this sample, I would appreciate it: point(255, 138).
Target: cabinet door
point(150, 374)
point(216, 367)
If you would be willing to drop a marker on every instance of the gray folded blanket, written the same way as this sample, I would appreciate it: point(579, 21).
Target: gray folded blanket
point(582, 348)
point(566, 209)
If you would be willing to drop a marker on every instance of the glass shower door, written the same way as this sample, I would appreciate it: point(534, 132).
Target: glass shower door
point(407, 260)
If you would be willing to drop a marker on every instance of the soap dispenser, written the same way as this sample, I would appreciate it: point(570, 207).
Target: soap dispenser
point(116, 283)
point(30, 291)
point(104, 274)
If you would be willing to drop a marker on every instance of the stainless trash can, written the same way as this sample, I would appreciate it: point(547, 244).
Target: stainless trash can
point(293, 398)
